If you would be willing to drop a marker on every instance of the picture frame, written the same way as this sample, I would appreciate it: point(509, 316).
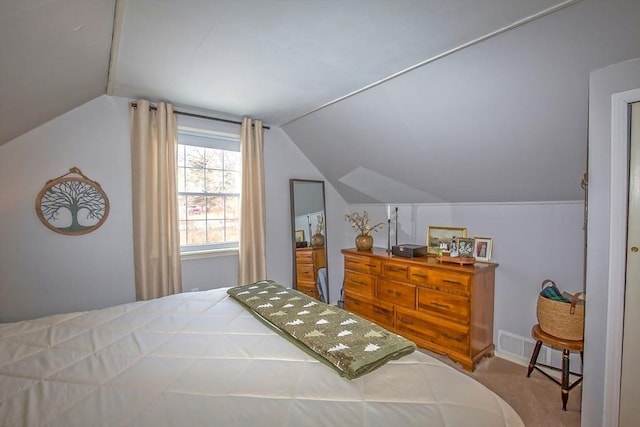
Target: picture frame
point(72, 205)
point(482, 248)
point(439, 234)
point(300, 236)
point(465, 247)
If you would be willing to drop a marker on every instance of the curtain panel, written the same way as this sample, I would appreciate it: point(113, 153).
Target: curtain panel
point(252, 246)
point(156, 238)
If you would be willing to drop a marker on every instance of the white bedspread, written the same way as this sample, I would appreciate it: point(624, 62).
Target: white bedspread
point(199, 359)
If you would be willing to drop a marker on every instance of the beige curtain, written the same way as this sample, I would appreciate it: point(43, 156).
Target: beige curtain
point(252, 264)
point(156, 239)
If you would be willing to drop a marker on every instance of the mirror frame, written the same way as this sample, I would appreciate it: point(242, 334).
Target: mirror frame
point(292, 186)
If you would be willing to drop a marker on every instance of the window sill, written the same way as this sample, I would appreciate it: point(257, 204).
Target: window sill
point(209, 253)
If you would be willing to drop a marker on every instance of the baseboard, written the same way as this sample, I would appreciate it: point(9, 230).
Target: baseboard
point(509, 358)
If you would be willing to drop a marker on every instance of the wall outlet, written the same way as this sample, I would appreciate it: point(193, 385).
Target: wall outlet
point(194, 289)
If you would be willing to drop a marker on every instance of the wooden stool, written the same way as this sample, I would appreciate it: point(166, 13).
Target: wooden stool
point(566, 346)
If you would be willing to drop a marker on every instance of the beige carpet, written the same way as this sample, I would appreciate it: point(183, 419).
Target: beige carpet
point(536, 399)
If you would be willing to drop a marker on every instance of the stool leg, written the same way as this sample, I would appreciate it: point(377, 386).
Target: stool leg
point(565, 378)
point(534, 357)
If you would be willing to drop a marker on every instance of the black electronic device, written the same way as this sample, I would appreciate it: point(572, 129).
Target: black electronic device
point(409, 251)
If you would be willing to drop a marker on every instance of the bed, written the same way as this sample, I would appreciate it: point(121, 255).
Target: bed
point(203, 359)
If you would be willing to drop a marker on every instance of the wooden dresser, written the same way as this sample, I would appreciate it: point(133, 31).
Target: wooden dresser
point(445, 308)
point(308, 261)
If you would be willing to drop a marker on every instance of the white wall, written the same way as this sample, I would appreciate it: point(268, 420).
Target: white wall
point(603, 84)
point(531, 242)
point(42, 272)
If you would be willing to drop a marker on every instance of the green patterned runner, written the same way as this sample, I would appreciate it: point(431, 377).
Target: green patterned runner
point(350, 344)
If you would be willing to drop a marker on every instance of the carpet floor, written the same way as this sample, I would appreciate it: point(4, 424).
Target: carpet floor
point(536, 399)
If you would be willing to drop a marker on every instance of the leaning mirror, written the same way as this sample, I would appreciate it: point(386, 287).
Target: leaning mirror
point(309, 242)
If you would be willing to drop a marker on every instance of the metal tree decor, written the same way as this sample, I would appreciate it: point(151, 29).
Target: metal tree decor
point(72, 205)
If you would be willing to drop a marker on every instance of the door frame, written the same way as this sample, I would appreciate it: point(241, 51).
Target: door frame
point(617, 250)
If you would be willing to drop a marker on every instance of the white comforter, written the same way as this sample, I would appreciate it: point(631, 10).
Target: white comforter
point(199, 359)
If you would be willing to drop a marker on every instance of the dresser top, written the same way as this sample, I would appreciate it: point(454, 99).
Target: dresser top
point(430, 261)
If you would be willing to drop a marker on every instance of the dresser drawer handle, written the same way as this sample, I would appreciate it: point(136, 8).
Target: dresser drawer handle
point(449, 337)
point(370, 265)
point(424, 276)
point(453, 282)
point(394, 268)
point(408, 322)
point(437, 304)
point(392, 292)
point(379, 310)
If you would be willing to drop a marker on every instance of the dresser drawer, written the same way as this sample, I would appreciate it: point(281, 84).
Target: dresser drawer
point(418, 274)
point(445, 305)
point(395, 271)
point(443, 334)
point(305, 257)
point(359, 283)
point(305, 272)
point(365, 265)
point(377, 311)
point(308, 288)
point(450, 281)
point(403, 294)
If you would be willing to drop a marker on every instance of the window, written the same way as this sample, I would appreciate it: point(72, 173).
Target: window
point(209, 184)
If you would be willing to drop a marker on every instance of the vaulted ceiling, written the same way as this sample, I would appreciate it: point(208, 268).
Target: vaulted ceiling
point(401, 101)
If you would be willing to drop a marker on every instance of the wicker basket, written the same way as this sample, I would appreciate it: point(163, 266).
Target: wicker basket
point(561, 319)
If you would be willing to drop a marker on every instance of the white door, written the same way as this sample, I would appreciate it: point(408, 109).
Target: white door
point(630, 375)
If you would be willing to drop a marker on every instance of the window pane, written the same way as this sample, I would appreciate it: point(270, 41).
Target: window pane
point(214, 181)
point(181, 155)
point(232, 160)
point(195, 157)
point(215, 231)
point(182, 208)
point(214, 158)
point(180, 180)
point(215, 208)
point(231, 182)
point(196, 233)
point(232, 207)
point(233, 231)
point(182, 226)
point(195, 207)
point(195, 180)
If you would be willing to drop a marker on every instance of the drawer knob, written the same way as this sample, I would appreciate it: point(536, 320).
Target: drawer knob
point(437, 304)
point(449, 337)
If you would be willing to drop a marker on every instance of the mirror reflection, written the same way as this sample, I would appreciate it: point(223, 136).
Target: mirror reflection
point(308, 230)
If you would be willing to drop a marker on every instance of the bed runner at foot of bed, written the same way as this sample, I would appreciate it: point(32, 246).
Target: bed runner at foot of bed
point(350, 344)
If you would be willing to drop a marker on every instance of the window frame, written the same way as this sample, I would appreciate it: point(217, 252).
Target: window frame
point(207, 138)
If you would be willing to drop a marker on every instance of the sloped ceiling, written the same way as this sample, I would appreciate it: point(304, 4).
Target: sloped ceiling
point(54, 56)
point(438, 101)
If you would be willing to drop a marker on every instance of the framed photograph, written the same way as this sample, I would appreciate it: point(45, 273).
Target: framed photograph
point(437, 235)
point(482, 247)
point(465, 247)
point(300, 236)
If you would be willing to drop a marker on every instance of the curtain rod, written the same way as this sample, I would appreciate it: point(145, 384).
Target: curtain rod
point(200, 116)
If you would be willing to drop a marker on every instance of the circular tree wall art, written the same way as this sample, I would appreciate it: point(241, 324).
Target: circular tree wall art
point(72, 205)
